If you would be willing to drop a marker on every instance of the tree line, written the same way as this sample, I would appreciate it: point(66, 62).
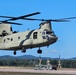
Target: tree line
point(33, 62)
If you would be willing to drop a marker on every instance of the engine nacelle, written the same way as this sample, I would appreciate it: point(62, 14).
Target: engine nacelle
point(5, 29)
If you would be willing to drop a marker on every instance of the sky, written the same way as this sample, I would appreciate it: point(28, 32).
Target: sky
point(50, 9)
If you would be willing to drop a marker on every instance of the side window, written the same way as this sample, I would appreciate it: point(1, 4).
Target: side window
point(35, 35)
point(43, 35)
point(19, 38)
point(10, 28)
point(11, 39)
point(4, 40)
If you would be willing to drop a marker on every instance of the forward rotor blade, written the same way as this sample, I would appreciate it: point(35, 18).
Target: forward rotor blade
point(59, 20)
point(69, 18)
point(54, 20)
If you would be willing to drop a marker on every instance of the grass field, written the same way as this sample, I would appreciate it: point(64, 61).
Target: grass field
point(19, 73)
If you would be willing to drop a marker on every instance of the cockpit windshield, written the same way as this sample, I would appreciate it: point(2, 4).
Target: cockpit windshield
point(48, 32)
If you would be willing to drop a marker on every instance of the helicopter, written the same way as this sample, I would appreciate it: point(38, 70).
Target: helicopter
point(13, 40)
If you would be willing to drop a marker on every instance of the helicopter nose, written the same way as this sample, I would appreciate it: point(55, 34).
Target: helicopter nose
point(53, 39)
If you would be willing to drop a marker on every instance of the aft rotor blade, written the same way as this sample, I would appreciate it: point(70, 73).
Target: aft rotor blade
point(7, 17)
point(14, 23)
point(29, 15)
point(20, 17)
point(10, 22)
point(32, 19)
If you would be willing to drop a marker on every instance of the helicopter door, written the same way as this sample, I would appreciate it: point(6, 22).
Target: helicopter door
point(44, 35)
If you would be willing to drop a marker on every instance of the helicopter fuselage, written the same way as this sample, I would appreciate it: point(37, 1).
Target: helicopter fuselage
point(44, 36)
point(9, 40)
point(27, 39)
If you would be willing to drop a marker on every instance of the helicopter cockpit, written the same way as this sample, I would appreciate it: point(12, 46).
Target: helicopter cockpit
point(48, 35)
point(45, 32)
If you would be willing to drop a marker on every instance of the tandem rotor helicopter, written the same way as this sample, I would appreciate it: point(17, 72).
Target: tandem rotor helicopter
point(13, 40)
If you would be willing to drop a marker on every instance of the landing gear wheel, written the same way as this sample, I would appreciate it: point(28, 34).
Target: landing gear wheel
point(14, 52)
point(23, 50)
point(39, 51)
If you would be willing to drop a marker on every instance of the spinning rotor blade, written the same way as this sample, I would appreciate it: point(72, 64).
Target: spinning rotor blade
point(58, 20)
point(20, 17)
point(16, 18)
point(7, 17)
point(10, 22)
point(24, 17)
point(54, 20)
point(70, 18)
point(30, 14)
point(13, 23)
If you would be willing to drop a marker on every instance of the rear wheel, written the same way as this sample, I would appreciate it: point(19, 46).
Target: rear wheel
point(39, 51)
point(23, 50)
point(14, 52)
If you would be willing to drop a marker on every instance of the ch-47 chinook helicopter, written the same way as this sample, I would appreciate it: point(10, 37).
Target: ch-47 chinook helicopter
point(13, 40)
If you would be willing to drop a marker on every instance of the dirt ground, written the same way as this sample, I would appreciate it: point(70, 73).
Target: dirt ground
point(31, 70)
